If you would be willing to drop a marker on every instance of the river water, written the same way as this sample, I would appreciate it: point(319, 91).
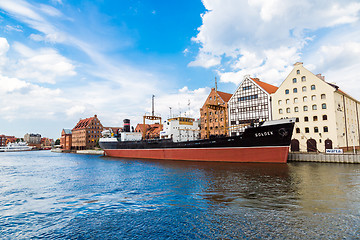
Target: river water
point(53, 195)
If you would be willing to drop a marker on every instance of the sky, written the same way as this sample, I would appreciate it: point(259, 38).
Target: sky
point(62, 60)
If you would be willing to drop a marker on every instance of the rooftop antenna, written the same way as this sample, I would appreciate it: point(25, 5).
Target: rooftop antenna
point(170, 112)
point(189, 106)
point(179, 109)
point(152, 105)
point(215, 84)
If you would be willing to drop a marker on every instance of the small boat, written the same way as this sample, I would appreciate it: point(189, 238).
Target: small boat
point(15, 147)
point(268, 142)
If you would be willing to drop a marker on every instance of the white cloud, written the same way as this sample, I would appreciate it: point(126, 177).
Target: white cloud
point(41, 65)
point(265, 37)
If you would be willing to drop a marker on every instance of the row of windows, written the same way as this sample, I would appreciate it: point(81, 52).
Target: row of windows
point(303, 79)
point(246, 88)
point(315, 118)
point(295, 90)
point(316, 129)
point(305, 108)
point(305, 98)
point(210, 120)
point(216, 112)
point(255, 96)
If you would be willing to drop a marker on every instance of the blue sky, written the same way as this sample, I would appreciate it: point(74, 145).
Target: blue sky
point(63, 60)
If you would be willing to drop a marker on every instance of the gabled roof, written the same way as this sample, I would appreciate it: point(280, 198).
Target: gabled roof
point(225, 96)
point(267, 87)
point(84, 123)
point(67, 131)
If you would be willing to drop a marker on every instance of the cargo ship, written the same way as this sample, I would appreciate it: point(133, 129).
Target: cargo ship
point(266, 142)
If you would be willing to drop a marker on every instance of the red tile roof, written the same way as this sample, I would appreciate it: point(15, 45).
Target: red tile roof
point(267, 87)
point(225, 96)
point(84, 123)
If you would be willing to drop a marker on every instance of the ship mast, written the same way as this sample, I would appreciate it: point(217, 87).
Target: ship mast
point(152, 117)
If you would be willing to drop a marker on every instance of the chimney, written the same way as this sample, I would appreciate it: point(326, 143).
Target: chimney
point(298, 63)
point(321, 77)
point(95, 115)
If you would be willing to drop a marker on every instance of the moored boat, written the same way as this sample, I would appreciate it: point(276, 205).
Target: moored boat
point(15, 147)
point(268, 142)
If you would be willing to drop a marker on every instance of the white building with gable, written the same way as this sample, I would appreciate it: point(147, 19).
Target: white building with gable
point(326, 117)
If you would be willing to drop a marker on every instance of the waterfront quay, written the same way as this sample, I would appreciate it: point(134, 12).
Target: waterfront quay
point(71, 196)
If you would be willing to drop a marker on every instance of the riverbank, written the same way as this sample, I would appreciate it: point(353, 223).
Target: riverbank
point(322, 157)
point(86, 152)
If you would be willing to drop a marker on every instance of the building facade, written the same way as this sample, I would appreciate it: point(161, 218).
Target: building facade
point(152, 131)
point(180, 129)
point(86, 133)
point(213, 120)
point(66, 139)
point(6, 139)
point(326, 117)
point(32, 139)
point(250, 103)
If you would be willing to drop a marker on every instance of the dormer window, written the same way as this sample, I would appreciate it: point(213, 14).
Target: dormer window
point(297, 71)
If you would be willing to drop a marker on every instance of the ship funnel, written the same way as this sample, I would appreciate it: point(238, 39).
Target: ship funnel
point(126, 125)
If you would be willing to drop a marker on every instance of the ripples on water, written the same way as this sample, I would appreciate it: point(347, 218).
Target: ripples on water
point(51, 195)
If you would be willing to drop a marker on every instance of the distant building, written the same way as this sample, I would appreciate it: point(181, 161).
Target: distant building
point(46, 143)
point(86, 133)
point(32, 138)
point(180, 129)
point(326, 117)
point(251, 102)
point(6, 139)
point(66, 139)
point(152, 131)
point(213, 121)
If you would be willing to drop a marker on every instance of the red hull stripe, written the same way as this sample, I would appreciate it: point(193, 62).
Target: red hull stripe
point(252, 154)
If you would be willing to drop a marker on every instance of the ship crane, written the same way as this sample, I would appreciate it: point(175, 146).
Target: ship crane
point(151, 117)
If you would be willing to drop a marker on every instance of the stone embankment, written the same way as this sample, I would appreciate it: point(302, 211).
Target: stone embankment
point(89, 152)
point(322, 157)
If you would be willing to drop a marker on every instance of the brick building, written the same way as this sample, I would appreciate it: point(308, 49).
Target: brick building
point(152, 130)
point(66, 139)
point(46, 142)
point(86, 133)
point(5, 139)
point(214, 119)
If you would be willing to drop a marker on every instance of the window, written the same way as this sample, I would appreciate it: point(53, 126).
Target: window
point(323, 106)
point(297, 120)
point(297, 71)
point(306, 119)
point(324, 117)
point(287, 91)
point(326, 129)
point(297, 130)
point(210, 98)
point(249, 97)
point(304, 99)
point(295, 100)
point(295, 90)
point(287, 101)
point(296, 109)
point(279, 102)
point(288, 110)
point(315, 118)
point(307, 130)
point(313, 97)
point(303, 78)
point(314, 107)
point(323, 96)
point(246, 88)
point(316, 129)
point(294, 80)
point(280, 111)
point(305, 108)
point(304, 89)
point(313, 87)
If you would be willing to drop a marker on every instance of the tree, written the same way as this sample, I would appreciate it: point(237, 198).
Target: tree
point(57, 142)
